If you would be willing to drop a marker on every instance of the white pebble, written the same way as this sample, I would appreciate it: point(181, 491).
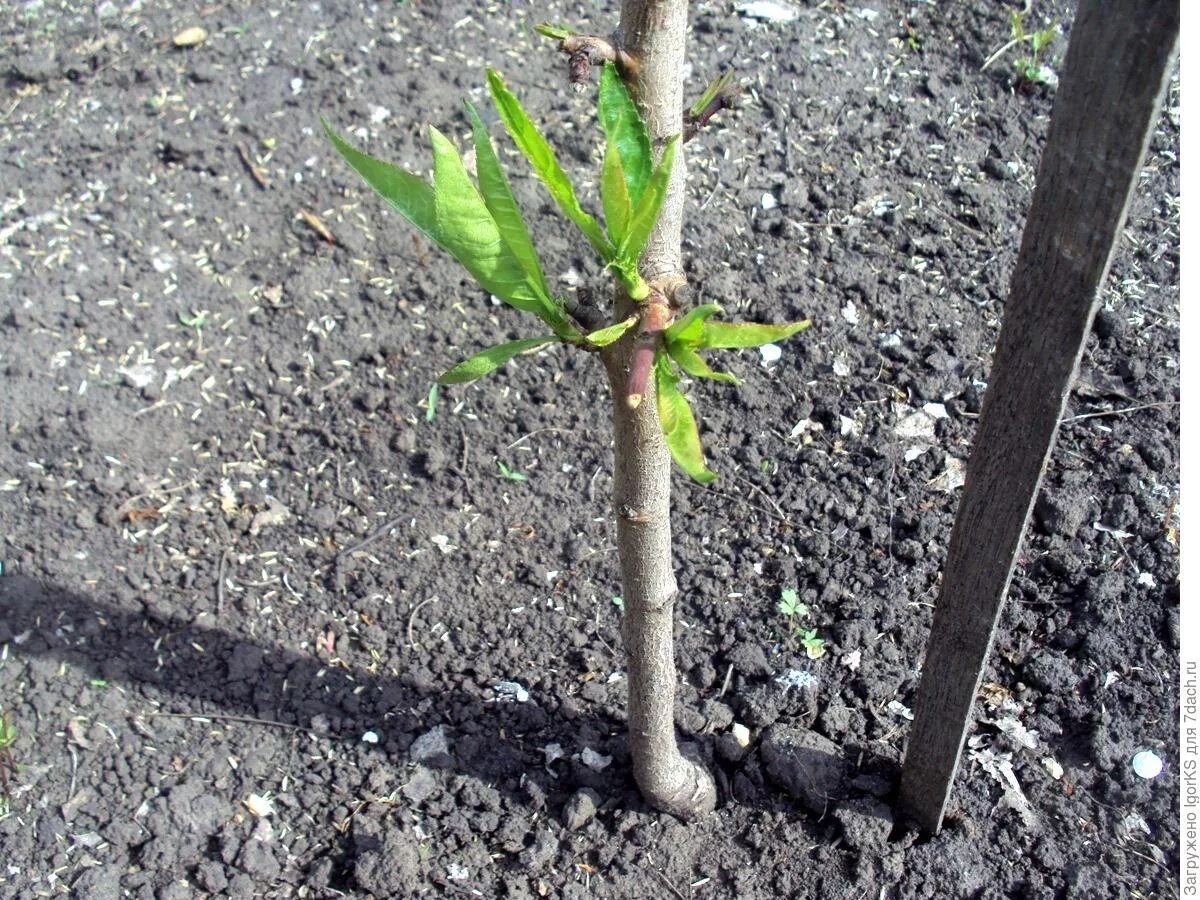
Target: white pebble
point(1147, 764)
point(771, 353)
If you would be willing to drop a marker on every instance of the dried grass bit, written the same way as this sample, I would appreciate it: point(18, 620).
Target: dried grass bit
point(260, 805)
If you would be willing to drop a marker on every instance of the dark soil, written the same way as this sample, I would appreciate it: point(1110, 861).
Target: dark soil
point(243, 557)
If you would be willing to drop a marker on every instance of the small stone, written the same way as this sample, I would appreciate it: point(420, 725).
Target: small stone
point(190, 37)
point(580, 809)
point(597, 762)
point(771, 354)
point(37, 67)
point(794, 193)
point(403, 441)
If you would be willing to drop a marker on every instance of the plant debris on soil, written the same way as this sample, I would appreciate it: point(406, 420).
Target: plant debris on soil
point(274, 620)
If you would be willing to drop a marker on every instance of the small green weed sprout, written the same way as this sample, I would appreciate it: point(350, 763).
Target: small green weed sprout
point(813, 645)
point(510, 475)
point(1031, 69)
point(793, 611)
point(8, 766)
point(790, 606)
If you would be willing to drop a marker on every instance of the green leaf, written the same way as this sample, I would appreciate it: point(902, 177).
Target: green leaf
point(556, 32)
point(723, 335)
point(509, 474)
point(491, 359)
point(1016, 26)
point(453, 215)
point(625, 130)
point(410, 196)
point(715, 87)
point(1039, 39)
point(691, 362)
point(197, 320)
point(610, 335)
point(467, 231)
point(614, 194)
point(545, 164)
point(678, 424)
point(431, 403)
point(498, 197)
point(686, 331)
point(645, 214)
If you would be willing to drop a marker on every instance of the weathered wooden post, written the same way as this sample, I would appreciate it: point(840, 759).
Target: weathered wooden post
point(1117, 67)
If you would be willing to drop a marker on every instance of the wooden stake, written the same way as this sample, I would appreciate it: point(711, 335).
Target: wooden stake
point(1117, 68)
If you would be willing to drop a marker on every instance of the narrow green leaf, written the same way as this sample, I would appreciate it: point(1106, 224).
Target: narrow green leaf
point(497, 194)
point(722, 335)
point(715, 87)
point(431, 403)
point(645, 214)
point(686, 332)
point(466, 229)
point(498, 197)
point(692, 363)
point(555, 32)
point(453, 215)
point(545, 164)
point(491, 359)
point(510, 474)
point(410, 196)
point(614, 193)
point(625, 130)
point(678, 424)
point(610, 335)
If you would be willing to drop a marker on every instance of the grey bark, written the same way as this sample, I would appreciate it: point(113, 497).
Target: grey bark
point(654, 33)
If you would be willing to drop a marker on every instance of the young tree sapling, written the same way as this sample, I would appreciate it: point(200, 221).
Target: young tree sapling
point(647, 344)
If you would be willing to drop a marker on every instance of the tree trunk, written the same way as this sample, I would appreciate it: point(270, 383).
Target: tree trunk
point(654, 33)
